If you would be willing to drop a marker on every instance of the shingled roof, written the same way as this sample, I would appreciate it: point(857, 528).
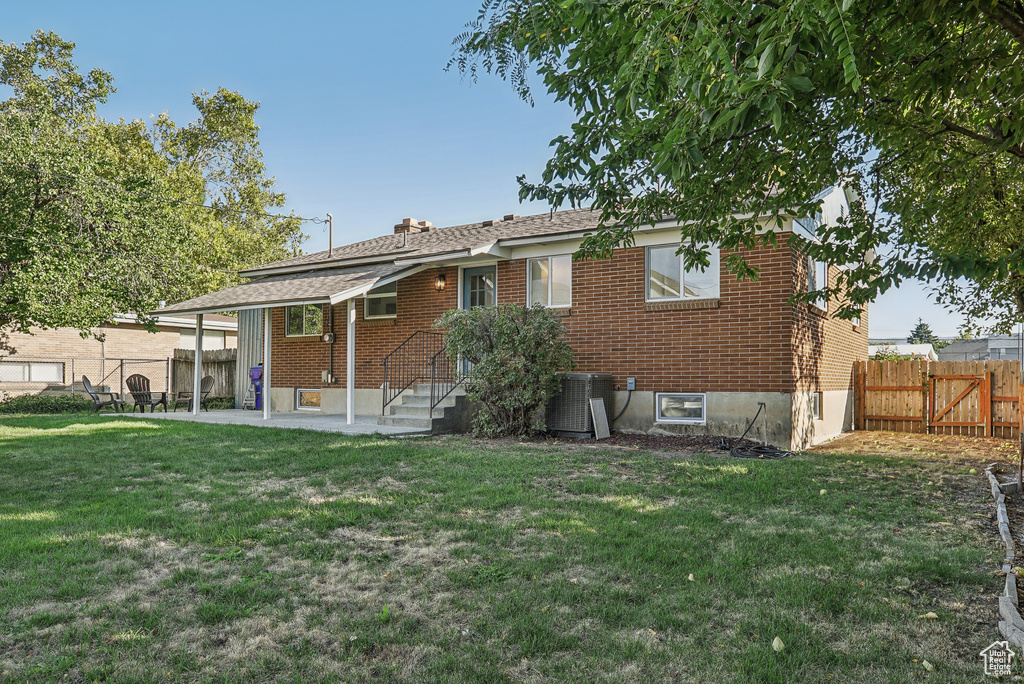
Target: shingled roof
point(314, 286)
point(444, 240)
point(353, 269)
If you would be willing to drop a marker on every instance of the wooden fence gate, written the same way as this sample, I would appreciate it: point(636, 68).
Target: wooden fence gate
point(976, 398)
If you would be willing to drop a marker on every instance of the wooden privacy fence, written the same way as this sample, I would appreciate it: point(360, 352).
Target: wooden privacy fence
point(976, 398)
point(220, 363)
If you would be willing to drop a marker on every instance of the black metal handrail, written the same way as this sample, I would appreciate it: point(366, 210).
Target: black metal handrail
point(409, 362)
point(445, 375)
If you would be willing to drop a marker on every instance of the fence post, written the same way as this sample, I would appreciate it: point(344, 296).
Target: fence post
point(1020, 435)
point(122, 377)
point(72, 376)
point(859, 368)
point(168, 376)
point(926, 396)
point(986, 383)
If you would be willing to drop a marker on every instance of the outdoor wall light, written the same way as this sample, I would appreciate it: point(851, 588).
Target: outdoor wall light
point(439, 282)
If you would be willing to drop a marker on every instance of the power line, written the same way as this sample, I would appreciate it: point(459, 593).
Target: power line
point(110, 186)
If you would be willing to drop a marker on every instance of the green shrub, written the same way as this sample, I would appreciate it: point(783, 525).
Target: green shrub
point(45, 403)
point(216, 403)
point(518, 354)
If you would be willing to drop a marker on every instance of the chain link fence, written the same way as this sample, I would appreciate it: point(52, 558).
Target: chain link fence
point(23, 374)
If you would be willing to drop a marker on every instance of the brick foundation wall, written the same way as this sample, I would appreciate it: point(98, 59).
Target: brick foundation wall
point(750, 340)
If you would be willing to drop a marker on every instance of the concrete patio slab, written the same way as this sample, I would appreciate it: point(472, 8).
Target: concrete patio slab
point(364, 425)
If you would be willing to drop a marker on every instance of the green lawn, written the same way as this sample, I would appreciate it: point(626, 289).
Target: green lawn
point(166, 551)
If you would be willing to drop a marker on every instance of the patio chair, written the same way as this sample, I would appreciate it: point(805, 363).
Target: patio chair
point(205, 387)
point(114, 399)
point(138, 386)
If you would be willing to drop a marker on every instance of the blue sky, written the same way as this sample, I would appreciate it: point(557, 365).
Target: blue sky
point(358, 116)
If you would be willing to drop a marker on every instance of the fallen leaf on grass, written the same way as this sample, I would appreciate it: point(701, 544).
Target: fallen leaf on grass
point(926, 665)
point(777, 644)
point(690, 577)
point(929, 616)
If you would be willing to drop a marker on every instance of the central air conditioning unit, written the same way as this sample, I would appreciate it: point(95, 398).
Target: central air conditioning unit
point(568, 413)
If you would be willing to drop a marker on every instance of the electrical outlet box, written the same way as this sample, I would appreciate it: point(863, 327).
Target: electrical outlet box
point(630, 383)
point(325, 376)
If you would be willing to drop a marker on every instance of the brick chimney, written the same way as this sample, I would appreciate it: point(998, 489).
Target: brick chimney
point(411, 225)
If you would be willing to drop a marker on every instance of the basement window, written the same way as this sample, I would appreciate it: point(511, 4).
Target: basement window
point(381, 302)
point(307, 400)
point(668, 279)
point(303, 321)
point(681, 408)
point(816, 405)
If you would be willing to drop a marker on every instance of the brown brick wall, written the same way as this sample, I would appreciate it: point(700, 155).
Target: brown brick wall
point(299, 361)
point(824, 347)
point(745, 344)
point(742, 345)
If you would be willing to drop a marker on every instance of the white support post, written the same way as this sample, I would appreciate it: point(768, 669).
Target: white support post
point(350, 364)
point(266, 364)
point(197, 375)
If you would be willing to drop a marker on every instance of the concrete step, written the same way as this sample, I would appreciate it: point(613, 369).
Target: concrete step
point(407, 421)
point(424, 388)
point(422, 400)
point(413, 411)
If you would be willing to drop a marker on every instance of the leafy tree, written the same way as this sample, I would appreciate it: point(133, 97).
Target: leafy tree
point(518, 354)
point(887, 353)
point(922, 334)
point(101, 217)
point(700, 109)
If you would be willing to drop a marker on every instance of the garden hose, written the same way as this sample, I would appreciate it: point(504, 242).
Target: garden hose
point(764, 451)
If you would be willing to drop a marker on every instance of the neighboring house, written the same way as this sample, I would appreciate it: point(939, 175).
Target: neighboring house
point(921, 351)
point(48, 359)
point(703, 348)
point(994, 347)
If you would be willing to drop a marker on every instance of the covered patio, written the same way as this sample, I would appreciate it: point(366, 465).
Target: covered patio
point(331, 286)
point(359, 425)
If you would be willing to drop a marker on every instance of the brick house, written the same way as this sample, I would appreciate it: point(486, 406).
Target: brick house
point(52, 359)
point(703, 348)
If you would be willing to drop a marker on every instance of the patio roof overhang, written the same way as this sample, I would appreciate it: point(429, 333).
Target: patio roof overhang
point(323, 286)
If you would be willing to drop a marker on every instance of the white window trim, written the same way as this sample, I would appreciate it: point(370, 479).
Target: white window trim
point(311, 390)
point(304, 333)
point(816, 398)
point(529, 281)
point(812, 265)
point(386, 295)
point(658, 418)
point(682, 275)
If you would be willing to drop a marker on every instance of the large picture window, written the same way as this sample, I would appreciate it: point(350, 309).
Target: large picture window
point(381, 302)
point(307, 319)
point(550, 281)
point(668, 279)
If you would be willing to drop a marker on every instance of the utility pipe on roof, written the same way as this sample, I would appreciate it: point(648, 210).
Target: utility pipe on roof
point(330, 235)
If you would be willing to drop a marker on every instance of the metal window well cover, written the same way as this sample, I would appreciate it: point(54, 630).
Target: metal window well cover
point(568, 412)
